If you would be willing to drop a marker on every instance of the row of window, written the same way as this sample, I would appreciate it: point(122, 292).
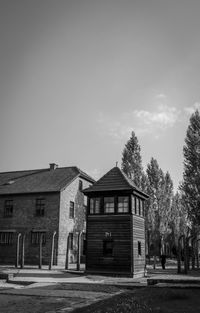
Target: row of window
point(39, 208)
point(116, 205)
point(8, 238)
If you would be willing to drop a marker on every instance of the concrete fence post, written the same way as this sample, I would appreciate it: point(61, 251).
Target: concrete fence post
point(40, 251)
point(79, 251)
point(52, 250)
point(23, 250)
point(17, 250)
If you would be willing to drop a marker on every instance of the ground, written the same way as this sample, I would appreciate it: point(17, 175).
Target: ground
point(62, 298)
point(149, 300)
point(59, 291)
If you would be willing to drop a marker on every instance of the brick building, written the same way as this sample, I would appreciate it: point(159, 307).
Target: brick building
point(115, 226)
point(36, 203)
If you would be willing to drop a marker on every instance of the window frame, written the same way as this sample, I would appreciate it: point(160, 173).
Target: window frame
point(108, 251)
point(35, 237)
point(40, 207)
point(95, 209)
point(71, 209)
point(80, 185)
point(139, 248)
point(123, 207)
point(8, 208)
point(6, 238)
point(109, 207)
point(137, 205)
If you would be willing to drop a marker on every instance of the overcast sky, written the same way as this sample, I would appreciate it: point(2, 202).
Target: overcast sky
point(77, 76)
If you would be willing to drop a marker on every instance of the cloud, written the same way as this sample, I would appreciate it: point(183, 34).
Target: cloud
point(142, 122)
point(164, 117)
point(117, 129)
point(192, 109)
point(161, 96)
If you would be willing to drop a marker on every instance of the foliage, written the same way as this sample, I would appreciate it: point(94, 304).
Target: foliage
point(191, 177)
point(132, 161)
point(179, 221)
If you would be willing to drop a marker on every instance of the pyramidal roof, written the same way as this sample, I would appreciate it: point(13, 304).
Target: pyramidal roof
point(114, 180)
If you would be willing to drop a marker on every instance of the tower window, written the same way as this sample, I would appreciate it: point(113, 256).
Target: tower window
point(109, 205)
point(139, 248)
point(94, 205)
point(123, 205)
point(107, 248)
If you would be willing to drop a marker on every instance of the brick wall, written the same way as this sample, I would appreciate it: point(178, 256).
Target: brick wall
point(67, 225)
point(24, 220)
point(56, 218)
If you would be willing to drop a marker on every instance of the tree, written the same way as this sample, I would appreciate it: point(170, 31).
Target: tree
point(132, 161)
point(154, 205)
point(190, 186)
point(178, 223)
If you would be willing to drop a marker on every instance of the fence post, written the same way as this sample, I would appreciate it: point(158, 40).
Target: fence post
point(17, 250)
point(23, 244)
point(67, 254)
point(79, 251)
point(40, 251)
point(52, 250)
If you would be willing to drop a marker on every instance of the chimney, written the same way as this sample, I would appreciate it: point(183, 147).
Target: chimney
point(53, 166)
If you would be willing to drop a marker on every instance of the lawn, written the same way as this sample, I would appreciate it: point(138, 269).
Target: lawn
point(149, 300)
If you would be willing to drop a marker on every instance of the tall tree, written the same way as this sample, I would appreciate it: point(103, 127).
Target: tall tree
point(132, 161)
point(158, 212)
point(178, 221)
point(155, 179)
point(191, 176)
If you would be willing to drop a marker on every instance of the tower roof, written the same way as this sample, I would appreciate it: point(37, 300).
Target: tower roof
point(114, 180)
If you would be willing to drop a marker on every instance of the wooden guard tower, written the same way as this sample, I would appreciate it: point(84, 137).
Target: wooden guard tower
point(115, 226)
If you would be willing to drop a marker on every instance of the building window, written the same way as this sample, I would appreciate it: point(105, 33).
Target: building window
point(95, 206)
point(8, 208)
point(139, 248)
point(6, 238)
point(71, 209)
point(80, 185)
point(109, 205)
point(35, 237)
point(40, 207)
point(123, 205)
point(108, 248)
point(71, 241)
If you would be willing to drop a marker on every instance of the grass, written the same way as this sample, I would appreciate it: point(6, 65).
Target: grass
point(148, 300)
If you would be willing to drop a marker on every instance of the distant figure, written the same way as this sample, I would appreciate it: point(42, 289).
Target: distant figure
point(163, 260)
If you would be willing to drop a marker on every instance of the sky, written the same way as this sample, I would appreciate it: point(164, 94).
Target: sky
point(78, 76)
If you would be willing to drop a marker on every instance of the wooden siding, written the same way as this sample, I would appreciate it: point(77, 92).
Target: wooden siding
point(119, 227)
point(138, 236)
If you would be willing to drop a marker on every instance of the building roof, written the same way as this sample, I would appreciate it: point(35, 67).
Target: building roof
point(114, 180)
point(40, 180)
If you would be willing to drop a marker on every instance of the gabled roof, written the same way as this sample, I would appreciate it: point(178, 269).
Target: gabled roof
point(114, 180)
point(40, 180)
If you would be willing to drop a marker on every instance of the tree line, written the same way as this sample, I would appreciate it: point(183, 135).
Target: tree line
point(168, 214)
